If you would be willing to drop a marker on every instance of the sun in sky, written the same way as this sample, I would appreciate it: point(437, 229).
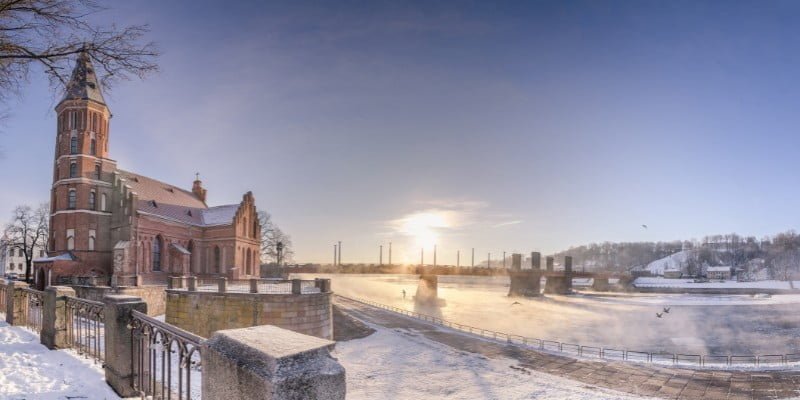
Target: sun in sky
point(424, 227)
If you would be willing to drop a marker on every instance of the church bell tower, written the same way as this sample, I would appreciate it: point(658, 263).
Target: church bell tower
point(80, 214)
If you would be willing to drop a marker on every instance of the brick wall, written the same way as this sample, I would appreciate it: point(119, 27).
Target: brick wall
point(203, 313)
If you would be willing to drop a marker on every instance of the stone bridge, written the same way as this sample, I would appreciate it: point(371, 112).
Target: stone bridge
point(527, 282)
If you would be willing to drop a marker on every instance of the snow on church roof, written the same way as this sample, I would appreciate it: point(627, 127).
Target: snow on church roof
point(171, 202)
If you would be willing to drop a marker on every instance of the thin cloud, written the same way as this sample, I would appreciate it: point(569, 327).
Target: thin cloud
point(515, 222)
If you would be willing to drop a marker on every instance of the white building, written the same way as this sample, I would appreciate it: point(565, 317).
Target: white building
point(722, 273)
point(12, 260)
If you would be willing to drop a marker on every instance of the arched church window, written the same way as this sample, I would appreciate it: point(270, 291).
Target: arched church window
point(73, 145)
point(216, 259)
point(157, 244)
point(92, 200)
point(93, 147)
point(70, 239)
point(92, 235)
point(71, 199)
point(103, 202)
point(73, 170)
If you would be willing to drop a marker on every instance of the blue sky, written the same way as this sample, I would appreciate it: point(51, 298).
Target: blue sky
point(513, 127)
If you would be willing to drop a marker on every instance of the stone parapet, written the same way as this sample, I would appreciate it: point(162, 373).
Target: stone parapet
point(267, 362)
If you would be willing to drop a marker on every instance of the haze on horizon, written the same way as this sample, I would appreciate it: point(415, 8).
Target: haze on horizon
point(515, 127)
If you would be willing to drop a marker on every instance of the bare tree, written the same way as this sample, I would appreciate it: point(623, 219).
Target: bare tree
point(49, 33)
point(28, 230)
point(271, 236)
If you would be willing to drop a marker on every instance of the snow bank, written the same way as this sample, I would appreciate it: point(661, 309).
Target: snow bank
point(29, 370)
point(689, 283)
point(403, 364)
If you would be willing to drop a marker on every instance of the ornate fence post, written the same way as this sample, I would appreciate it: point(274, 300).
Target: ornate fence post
point(119, 341)
point(297, 286)
point(54, 317)
point(16, 303)
point(256, 363)
point(223, 285)
point(254, 285)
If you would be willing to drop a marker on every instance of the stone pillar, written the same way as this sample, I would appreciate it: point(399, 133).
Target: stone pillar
point(191, 283)
point(54, 317)
point(223, 285)
point(253, 285)
point(269, 363)
point(325, 285)
point(536, 260)
point(297, 286)
point(16, 303)
point(119, 352)
point(550, 261)
point(516, 262)
point(568, 272)
point(176, 282)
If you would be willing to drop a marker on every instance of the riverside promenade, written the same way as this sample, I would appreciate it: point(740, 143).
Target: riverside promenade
point(634, 378)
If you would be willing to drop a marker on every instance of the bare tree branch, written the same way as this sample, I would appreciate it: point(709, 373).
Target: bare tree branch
point(28, 230)
point(49, 33)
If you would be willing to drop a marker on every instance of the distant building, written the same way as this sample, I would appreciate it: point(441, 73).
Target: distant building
point(722, 273)
point(672, 273)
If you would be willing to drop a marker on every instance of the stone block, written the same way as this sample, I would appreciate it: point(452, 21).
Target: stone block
point(267, 362)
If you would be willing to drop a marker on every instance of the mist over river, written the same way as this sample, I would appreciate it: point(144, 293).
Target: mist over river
point(695, 324)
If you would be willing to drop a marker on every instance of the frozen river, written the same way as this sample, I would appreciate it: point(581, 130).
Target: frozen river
point(696, 324)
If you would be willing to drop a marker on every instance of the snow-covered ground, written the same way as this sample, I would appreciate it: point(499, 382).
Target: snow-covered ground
point(689, 283)
point(672, 261)
point(402, 364)
point(30, 371)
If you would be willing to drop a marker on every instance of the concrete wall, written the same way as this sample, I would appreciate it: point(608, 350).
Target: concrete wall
point(204, 313)
point(154, 296)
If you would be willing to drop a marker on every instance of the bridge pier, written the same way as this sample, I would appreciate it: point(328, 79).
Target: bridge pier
point(561, 284)
point(525, 282)
point(427, 290)
point(600, 285)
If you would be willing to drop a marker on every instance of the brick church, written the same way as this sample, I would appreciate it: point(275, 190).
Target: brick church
point(126, 228)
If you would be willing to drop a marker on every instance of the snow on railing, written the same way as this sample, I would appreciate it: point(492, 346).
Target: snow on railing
point(597, 352)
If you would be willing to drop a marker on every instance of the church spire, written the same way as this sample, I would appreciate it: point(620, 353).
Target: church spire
point(83, 85)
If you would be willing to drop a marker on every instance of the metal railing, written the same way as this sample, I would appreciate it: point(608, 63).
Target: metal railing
point(595, 351)
point(262, 286)
point(34, 303)
point(167, 360)
point(85, 327)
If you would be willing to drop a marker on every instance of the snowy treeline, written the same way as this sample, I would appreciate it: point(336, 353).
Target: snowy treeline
point(778, 256)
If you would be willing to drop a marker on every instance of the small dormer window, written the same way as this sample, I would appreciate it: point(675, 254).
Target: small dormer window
point(153, 203)
point(171, 190)
point(189, 212)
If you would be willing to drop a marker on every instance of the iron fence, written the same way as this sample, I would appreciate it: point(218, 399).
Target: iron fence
point(167, 360)
point(33, 303)
point(85, 327)
point(575, 349)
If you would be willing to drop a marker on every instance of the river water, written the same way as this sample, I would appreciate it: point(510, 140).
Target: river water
point(695, 324)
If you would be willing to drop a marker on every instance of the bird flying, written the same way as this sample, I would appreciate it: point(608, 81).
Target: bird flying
point(658, 315)
point(644, 226)
point(516, 303)
point(666, 309)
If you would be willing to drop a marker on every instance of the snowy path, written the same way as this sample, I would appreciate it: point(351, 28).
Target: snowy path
point(403, 364)
point(30, 371)
point(548, 372)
